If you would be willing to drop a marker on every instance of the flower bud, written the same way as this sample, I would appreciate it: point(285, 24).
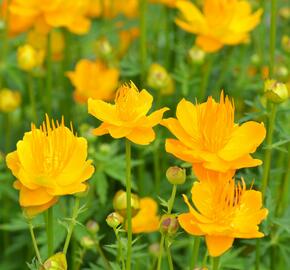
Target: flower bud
point(157, 76)
point(154, 249)
point(286, 43)
point(281, 72)
point(255, 59)
point(103, 48)
point(120, 203)
point(114, 220)
point(176, 175)
point(87, 242)
point(169, 224)
point(29, 58)
point(196, 55)
point(55, 262)
point(284, 12)
point(275, 91)
point(9, 100)
point(93, 226)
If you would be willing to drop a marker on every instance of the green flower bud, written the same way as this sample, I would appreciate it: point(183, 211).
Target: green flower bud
point(120, 203)
point(87, 242)
point(169, 224)
point(275, 91)
point(93, 226)
point(176, 175)
point(55, 262)
point(196, 55)
point(114, 220)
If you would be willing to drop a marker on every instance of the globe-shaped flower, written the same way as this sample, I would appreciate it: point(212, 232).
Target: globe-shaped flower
point(222, 22)
point(128, 116)
point(223, 212)
point(208, 137)
point(49, 162)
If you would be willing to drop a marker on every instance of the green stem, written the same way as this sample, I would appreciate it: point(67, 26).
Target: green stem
point(34, 242)
point(170, 263)
point(48, 74)
point(257, 261)
point(194, 258)
point(204, 260)
point(32, 98)
point(205, 79)
point(143, 39)
point(268, 151)
point(156, 159)
point(49, 232)
point(171, 200)
point(72, 224)
point(129, 210)
point(7, 117)
point(160, 252)
point(105, 260)
point(120, 256)
point(272, 36)
point(215, 263)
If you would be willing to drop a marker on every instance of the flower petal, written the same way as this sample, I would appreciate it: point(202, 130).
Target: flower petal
point(188, 222)
point(217, 245)
point(36, 197)
point(208, 44)
point(244, 140)
point(141, 136)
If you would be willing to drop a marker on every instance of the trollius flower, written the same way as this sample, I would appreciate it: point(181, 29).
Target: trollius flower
point(209, 138)
point(49, 162)
point(222, 22)
point(222, 213)
point(128, 116)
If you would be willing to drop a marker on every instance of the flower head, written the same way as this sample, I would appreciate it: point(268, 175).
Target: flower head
point(223, 212)
point(29, 58)
point(93, 79)
point(128, 116)
point(208, 137)
point(222, 22)
point(49, 162)
point(9, 100)
point(147, 219)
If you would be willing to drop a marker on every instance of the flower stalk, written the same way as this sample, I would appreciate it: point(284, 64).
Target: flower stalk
point(49, 232)
point(72, 224)
point(215, 263)
point(37, 253)
point(129, 209)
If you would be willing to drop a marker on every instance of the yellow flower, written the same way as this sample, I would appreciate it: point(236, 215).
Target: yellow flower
point(126, 37)
point(93, 79)
point(46, 14)
point(147, 219)
point(223, 22)
point(223, 212)
point(127, 117)
point(49, 162)
point(209, 139)
point(9, 100)
point(29, 58)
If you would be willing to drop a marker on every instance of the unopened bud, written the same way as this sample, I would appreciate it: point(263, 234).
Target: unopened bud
point(158, 77)
point(114, 220)
point(87, 242)
point(93, 226)
point(103, 48)
point(9, 100)
point(275, 91)
point(281, 72)
point(196, 55)
point(154, 249)
point(29, 58)
point(169, 224)
point(120, 203)
point(55, 262)
point(286, 43)
point(255, 59)
point(176, 175)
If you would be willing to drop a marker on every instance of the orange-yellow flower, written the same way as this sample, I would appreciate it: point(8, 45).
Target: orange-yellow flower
point(9, 100)
point(93, 79)
point(208, 137)
point(49, 162)
point(147, 219)
point(222, 22)
point(128, 116)
point(223, 212)
point(48, 13)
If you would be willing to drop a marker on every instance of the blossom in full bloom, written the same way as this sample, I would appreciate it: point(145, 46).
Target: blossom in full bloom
point(222, 22)
point(223, 212)
point(94, 79)
point(47, 14)
point(147, 219)
point(49, 162)
point(208, 137)
point(128, 116)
